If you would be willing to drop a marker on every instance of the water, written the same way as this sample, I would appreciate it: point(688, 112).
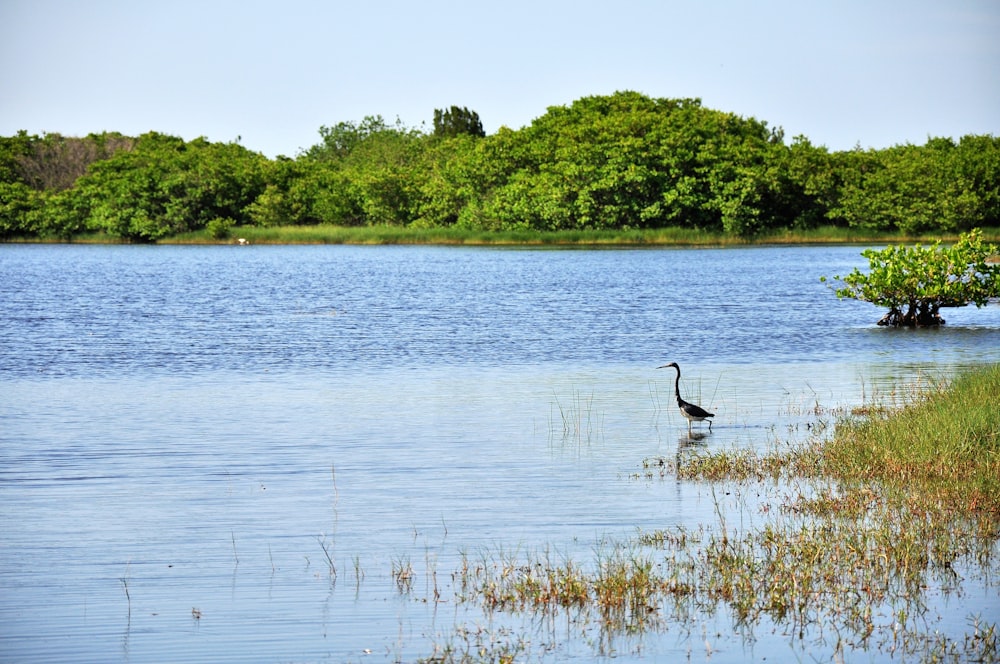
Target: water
point(190, 435)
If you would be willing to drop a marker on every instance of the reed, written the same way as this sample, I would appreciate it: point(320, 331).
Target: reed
point(579, 423)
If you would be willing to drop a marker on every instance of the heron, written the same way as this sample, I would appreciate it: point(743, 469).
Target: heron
point(690, 411)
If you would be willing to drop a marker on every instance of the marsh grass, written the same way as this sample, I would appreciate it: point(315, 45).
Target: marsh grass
point(380, 235)
point(738, 464)
point(330, 234)
point(620, 589)
point(856, 541)
point(944, 446)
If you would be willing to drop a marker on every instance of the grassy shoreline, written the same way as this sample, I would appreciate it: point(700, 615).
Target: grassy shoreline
point(855, 541)
point(403, 235)
point(678, 237)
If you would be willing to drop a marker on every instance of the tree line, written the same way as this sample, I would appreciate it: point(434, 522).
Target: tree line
point(619, 161)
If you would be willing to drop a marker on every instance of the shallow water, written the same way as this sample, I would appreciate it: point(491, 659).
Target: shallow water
point(190, 435)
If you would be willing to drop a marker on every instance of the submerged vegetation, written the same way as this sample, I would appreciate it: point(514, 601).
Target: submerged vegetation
point(622, 162)
point(848, 541)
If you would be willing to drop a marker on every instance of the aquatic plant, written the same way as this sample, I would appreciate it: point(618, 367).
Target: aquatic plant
point(579, 423)
point(402, 574)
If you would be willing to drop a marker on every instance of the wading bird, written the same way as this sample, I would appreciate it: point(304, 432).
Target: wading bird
point(690, 411)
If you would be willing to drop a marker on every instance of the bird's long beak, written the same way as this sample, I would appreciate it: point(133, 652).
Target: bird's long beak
point(663, 367)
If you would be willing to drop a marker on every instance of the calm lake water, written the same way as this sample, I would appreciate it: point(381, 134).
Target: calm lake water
point(190, 435)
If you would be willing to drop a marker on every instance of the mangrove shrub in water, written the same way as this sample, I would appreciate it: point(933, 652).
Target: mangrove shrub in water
point(915, 282)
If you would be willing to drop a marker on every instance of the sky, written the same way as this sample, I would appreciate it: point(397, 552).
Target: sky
point(869, 73)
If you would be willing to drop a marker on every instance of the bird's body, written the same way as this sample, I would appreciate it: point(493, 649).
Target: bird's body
point(690, 411)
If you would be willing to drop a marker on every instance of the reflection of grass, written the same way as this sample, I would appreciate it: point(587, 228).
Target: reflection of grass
point(862, 537)
point(480, 644)
point(328, 554)
point(128, 597)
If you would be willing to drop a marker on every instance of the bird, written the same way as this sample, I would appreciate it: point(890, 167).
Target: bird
point(690, 411)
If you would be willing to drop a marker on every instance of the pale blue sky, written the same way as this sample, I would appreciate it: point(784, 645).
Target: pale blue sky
point(868, 72)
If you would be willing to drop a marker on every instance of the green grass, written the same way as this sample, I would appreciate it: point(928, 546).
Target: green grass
point(946, 442)
point(378, 235)
point(656, 237)
point(374, 235)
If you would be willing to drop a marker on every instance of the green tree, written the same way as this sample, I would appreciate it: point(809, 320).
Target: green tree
point(60, 214)
point(448, 183)
point(293, 194)
point(342, 139)
point(17, 201)
point(748, 182)
point(616, 161)
point(367, 173)
point(627, 160)
point(916, 282)
point(814, 183)
point(457, 122)
point(971, 191)
point(940, 186)
point(13, 151)
point(166, 186)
